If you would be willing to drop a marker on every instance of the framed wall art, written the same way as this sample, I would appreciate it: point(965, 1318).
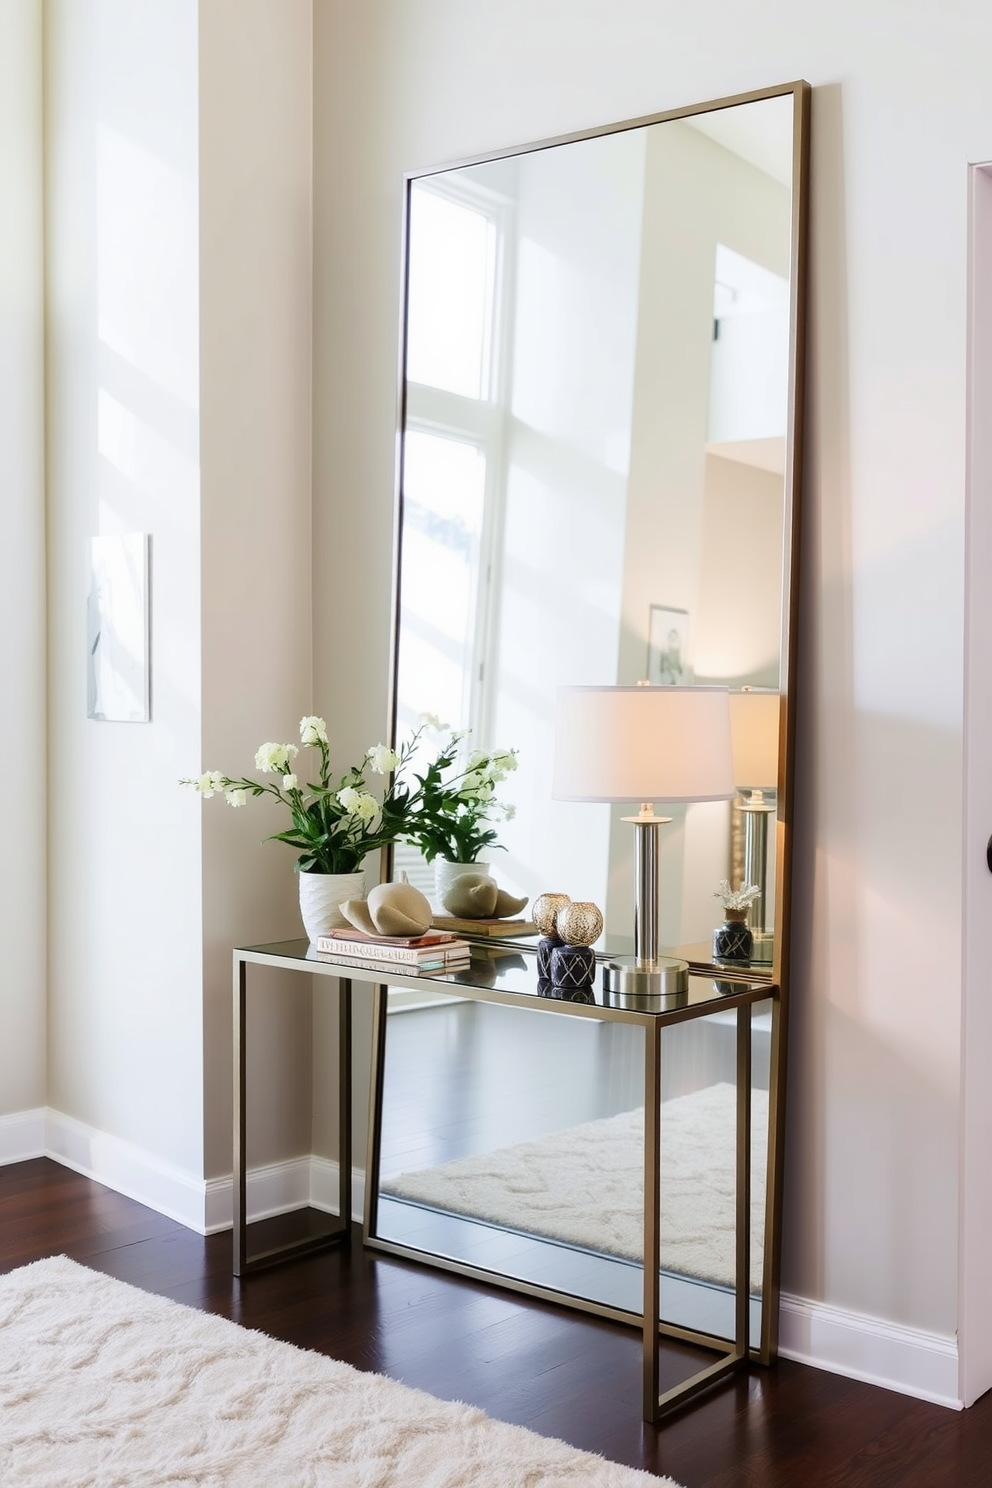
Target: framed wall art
point(668, 647)
point(118, 681)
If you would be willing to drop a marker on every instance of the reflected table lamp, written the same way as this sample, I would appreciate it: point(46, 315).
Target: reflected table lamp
point(644, 744)
point(754, 727)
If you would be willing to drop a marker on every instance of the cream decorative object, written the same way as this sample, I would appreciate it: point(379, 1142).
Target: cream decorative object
point(545, 911)
point(476, 896)
point(508, 904)
point(321, 898)
point(579, 923)
point(472, 896)
point(447, 872)
point(390, 909)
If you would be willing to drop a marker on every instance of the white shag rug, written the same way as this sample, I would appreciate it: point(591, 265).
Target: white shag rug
point(585, 1185)
point(105, 1386)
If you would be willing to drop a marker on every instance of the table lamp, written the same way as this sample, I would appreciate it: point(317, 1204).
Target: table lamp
point(644, 744)
point(754, 727)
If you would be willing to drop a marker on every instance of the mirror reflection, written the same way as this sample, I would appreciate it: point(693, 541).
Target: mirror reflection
point(593, 471)
point(514, 1142)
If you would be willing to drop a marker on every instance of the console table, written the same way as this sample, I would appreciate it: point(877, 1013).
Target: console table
point(494, 977)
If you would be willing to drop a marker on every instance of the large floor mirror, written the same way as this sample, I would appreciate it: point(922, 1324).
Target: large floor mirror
point(598, 484)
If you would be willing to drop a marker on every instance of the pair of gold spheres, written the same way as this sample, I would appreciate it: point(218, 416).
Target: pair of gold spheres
point(576, 922)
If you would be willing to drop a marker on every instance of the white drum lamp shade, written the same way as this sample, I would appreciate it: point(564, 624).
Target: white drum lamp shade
point(643, 744)
point(754, 725)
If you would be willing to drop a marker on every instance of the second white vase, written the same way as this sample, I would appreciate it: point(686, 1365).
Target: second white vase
point(445, 873)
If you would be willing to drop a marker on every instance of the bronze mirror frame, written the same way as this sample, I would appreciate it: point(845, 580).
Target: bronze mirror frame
point(775, 972)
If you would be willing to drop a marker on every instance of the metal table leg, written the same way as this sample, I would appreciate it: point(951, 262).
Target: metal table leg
point(244, 1263)
point(736, 1355)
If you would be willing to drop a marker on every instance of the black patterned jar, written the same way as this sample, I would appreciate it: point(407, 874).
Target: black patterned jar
point(573, 967)
point(733, 941)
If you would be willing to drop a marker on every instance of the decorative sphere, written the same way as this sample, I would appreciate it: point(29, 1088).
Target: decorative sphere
point(546, 907)
point(579, 923)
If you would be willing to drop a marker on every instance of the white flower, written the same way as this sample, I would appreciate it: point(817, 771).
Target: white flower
point(382, 759)
point(274, 758)
point(289, 782)
point(236, 797)
point(431, 721)
point(313, 731)
point(471, 781)
point(509, 812)
point(209, 783)
point(366, 807)
point(358, 803)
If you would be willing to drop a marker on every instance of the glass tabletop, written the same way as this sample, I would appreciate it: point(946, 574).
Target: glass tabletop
point(510, 972)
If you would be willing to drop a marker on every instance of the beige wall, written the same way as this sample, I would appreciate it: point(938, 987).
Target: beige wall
point(897, 112)
point(22, 560)
point(255, 404)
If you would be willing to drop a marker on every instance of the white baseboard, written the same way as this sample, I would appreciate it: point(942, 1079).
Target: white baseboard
point(22, 1136)
point(125, 1168)
point(203, 1206)
point(908, 1360)
point(280, 1187)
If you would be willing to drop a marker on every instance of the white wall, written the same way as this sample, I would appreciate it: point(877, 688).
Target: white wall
point(900, 105)
point(179, 405)
point(22, 560)
point(125, 1049)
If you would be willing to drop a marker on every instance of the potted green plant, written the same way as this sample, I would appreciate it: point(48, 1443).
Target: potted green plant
point(335, 824)
point(454, 804)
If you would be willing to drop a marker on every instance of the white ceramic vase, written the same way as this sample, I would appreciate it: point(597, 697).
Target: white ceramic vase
point(446, 872)
point(321, 897)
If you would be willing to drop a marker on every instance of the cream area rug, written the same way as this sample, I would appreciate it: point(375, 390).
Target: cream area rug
point(585, 1185)
point(104, 1386)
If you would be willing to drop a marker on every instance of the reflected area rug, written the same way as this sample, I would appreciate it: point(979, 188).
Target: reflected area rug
point(105, 1386)
point(584, 1186)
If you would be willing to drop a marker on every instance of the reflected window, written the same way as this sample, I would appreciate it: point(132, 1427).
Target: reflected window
point(451, 294)
point(453, 437)
point(444, 502)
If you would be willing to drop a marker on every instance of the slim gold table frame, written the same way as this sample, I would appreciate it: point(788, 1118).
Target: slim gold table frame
point(477, 982)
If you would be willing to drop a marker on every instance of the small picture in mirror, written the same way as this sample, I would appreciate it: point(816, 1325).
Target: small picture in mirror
point(668, 647)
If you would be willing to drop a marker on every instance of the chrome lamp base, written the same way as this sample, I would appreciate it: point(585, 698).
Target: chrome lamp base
point(654, 986)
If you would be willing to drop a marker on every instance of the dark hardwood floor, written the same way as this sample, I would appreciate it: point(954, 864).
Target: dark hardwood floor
point(559, 1373)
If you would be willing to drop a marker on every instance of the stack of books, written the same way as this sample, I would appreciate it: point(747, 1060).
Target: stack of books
point(438, 950)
